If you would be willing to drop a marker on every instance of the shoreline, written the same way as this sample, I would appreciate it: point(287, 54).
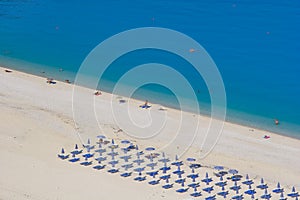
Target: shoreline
point(232, 121)
point(28, 104)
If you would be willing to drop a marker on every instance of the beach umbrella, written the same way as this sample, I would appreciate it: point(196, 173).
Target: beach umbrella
point(293, 194)
point(266, 195)
point(150, 149)
point(101, 137)
point(167, 186)
point(100, 151)
point(211, 197)
point(98, 167)
point(191, 159)
point(88, 155)
point(233, 171)
point(100, 159)
point(207, 179)
point(154, 182)
point(152, 165)
point(195, 193)
point(179, 173)
point(250, 192)
point(126, 174)
point(278, 189)
point(262, 185)
point(126, 158)
point(182, 190)
point(139, 161)
point(194, 185)
point(113, 171)
point(222, 173)
point(193, 176)
point(152, 174)
point(74, 160)
point(195, 166)
point(113, 163)
point(238, 197)
point(180, 181)
point(125, 142)
point(218, 168)
point(164, 160)
point(282, 196)
point(248, 181)
point(236, 187)
point(208, 189)
point(223, 193)
point(236, 177)
point(139, 170)
point(165, 169)
point(165, 177)
point(127, 166)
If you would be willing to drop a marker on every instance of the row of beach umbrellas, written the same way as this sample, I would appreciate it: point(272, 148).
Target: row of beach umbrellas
point(156, 166)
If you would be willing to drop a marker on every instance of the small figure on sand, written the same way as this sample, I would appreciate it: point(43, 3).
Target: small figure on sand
point(67, 81)
point(267, 137)
point(145, 105)
point(276, 121)
point(8, 71)
point(97, 93)
point(50, 81)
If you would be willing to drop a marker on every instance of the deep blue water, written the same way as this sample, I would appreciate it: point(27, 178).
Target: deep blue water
point(255, 45)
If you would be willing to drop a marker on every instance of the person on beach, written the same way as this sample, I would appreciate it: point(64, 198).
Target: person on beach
point(97, 93)
point(50, 81)
point(145, 105)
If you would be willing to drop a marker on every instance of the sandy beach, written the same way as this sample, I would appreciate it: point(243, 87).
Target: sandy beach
point(37, 121)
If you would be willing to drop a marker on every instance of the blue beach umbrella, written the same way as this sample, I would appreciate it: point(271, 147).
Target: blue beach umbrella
point(278, 189)
point(262, 185)
point(127, 166)
point(152, 174)
point(100, 159)
point(235, 188)
point(266, 195)
point(238, 197)
point(165, 169)
point(194, 185)
point(282, 197)
point(250, 192)
point(191, 159)
point(101, 136)
point(152, 165)
point(207, 179)
point(150, 149)
point(208, 189)
point(219, 168)
point(193, 177)
point(233, 171)
point(294, 194)
point(126, 158)
point(139, 161)
point(211, 197)
point(113, 163)
point(125, 142)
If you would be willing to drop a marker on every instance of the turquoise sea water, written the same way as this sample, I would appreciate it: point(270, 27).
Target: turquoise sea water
point(255, 45)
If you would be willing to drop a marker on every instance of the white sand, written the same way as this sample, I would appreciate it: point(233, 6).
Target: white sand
point(37, 120)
